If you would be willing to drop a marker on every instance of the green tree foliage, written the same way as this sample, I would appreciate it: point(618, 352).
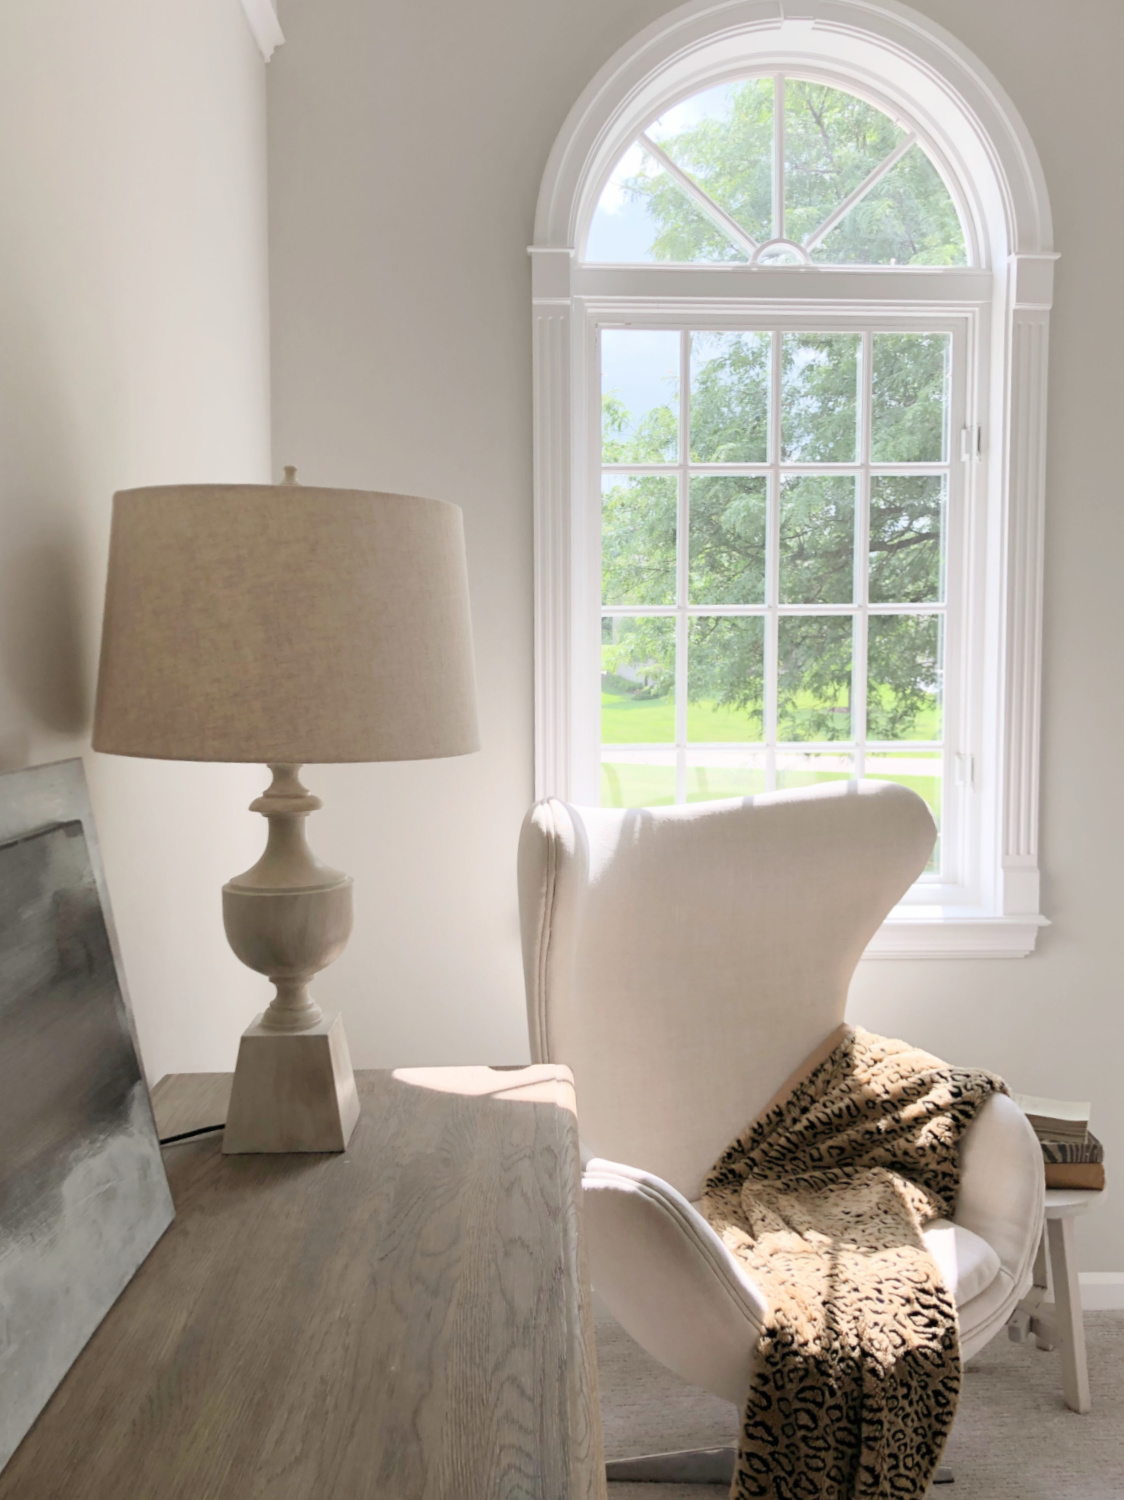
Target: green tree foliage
point(814, 677)
point(730, 156)
point(902, 661)
point(730, 397)
point(727, 542)
point(638, 511)
point(728, 523)
point(817, 536)
point(820, 397)
point(833, 141)
point(906, 520)
point(726, 666)
point(907, 398)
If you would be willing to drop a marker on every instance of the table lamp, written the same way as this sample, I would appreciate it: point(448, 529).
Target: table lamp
point(286, 624)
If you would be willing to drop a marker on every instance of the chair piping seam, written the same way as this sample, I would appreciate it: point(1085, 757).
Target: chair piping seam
point(549, 891)
point(719, 1271)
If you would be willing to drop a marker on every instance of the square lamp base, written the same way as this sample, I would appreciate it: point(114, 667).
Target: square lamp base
point(293, 1090)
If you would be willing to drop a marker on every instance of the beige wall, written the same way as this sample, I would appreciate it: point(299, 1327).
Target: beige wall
point(407, 141)
point(133, 350)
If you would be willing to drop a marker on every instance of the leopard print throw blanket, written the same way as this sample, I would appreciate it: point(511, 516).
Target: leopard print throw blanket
point(822, 1199)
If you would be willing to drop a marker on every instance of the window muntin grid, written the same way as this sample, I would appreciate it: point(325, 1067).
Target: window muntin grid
point(823, 482)
point(777, 169)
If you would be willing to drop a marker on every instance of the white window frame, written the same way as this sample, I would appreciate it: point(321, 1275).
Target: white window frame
point(960, 882)
point(999, 309)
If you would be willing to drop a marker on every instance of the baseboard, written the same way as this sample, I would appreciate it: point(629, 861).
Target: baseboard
point(1102, 1290)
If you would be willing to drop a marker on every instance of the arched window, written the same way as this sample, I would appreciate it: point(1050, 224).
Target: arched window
point(791, 283)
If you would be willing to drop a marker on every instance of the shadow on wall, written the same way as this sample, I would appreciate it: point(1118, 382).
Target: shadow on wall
point(41, 645)
point(15, 751)
point(45, 667)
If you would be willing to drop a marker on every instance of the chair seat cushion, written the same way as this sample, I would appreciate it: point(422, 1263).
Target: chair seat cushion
point(967, 1263)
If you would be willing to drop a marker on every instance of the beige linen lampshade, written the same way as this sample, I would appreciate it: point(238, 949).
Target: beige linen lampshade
point(285, 624)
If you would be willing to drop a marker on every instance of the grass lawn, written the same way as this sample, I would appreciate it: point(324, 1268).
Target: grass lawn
point(626, 720)
point(629, 720)
point(651, 721)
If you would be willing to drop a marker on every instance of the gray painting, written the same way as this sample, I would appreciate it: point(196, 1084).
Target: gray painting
point(83, 1195)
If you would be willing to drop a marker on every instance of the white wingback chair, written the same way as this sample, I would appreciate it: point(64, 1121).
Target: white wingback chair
point(684, 961)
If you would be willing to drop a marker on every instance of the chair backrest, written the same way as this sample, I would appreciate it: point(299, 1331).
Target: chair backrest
point(683, 961)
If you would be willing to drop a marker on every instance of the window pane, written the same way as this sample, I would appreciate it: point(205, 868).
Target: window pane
point(643, 215)
point(919, 770)
point(723, 140)
point(639, 395)
point(637, 778)
point(832, 142)
point(814, 678)
point(817, 551)
point(819, 397)
point(795, 769)
point(909, 398)
point(637, 680)
point(638, 515)
point(715, 773)
point(904, 670)
point(907, 538)
point(907, 219)
point(728, 524)
point(730, 397)
point(725, 678)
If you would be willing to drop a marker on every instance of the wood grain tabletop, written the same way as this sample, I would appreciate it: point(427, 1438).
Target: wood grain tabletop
point(408, 1320)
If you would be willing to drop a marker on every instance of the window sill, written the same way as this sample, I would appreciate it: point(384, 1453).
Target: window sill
point(954, 932)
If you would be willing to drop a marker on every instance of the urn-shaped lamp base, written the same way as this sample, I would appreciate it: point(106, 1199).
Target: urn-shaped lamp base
point(288, 917)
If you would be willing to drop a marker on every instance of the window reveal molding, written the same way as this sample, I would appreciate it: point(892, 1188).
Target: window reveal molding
point(970, 129)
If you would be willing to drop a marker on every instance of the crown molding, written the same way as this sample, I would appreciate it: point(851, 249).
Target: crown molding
point(262, 16)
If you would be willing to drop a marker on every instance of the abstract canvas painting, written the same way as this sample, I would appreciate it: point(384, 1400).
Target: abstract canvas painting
point(83, 1195)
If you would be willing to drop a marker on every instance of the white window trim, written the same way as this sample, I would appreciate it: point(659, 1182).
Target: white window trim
point(973, 132)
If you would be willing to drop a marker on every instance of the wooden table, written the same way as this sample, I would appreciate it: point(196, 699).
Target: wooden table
point(409, 1320)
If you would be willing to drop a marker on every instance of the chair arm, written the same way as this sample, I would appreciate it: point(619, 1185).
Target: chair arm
point(668, 1279)
point(1002, 1185)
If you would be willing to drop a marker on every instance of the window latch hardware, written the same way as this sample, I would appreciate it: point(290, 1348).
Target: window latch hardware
point(965, 770)
point(971, 443)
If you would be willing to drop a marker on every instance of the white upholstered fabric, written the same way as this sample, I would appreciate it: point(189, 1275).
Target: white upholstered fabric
point(968, 1264)
point(684, 961)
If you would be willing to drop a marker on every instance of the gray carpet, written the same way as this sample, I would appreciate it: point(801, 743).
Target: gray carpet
point(1013, 1439)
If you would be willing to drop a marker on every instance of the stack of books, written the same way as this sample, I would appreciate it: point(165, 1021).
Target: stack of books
point(1074, 1157)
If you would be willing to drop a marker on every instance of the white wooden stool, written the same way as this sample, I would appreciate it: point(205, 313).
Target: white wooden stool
point(1059, 1323)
